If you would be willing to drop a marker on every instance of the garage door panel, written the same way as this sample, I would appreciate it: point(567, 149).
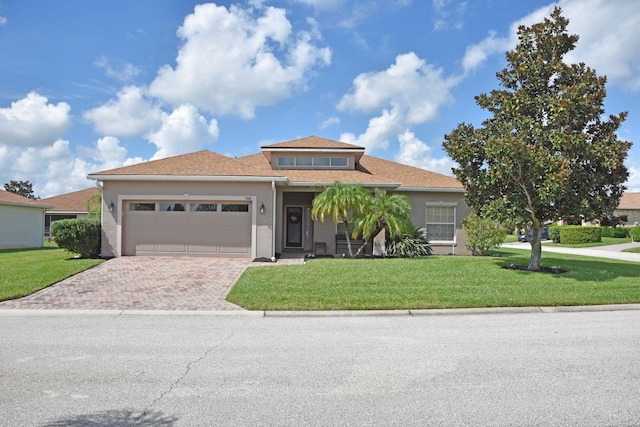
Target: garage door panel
point(207, 228)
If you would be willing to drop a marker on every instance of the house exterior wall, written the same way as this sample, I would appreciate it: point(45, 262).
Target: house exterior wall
point(633, 215)
point(21, 227)
point(420, 200)
point(119, 191)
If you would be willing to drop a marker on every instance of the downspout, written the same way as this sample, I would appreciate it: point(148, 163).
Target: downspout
point(273, 221)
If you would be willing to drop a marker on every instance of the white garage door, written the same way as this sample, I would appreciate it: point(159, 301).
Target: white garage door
point(191, 228)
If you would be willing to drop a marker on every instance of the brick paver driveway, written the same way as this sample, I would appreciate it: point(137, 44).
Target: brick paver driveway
point(143, 283)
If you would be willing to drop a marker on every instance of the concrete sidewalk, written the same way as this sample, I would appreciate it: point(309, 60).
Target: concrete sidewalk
point(611, 252)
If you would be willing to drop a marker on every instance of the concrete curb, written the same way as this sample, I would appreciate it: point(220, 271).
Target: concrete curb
point(326, 313)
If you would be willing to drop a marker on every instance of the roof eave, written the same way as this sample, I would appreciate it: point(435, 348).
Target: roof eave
point(364, 184)
point(25, 205)
point(164, 178)
point(432, 189)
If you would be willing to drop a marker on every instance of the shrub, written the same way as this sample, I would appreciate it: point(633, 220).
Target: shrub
point(409, 246)
point(576, 234)
point(616, 232)
point(554, 233)
point(482, 234)
point(634, 233)
point(81, 236)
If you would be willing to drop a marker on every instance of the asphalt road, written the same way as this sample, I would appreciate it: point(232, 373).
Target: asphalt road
point(524, 369)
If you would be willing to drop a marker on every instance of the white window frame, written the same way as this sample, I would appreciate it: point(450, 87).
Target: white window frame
point(313, 165)
point(455, 220)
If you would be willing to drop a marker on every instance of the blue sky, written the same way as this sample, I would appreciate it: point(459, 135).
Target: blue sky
point(92, 85)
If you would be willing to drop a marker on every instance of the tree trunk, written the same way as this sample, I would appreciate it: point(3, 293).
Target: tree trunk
point(346, 234)
point(536, 246)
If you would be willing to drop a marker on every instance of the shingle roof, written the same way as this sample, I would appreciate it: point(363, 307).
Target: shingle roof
point(629, 201)
point(370, 170)
point(313, 142)
point(8, 198)
point(71, 202)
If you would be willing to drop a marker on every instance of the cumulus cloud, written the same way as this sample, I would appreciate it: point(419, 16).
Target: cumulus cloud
point(409, 92)
point(183, 131)
point(32, 121)
point(130, 113)
point(233, 61)
point(56, 169)
point(330, 121)
point(608, 38)
point(414, 152)
point(633, 183)
point(448, 14)
point(3, 20)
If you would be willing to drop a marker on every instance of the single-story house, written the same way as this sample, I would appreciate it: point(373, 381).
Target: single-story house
point(629, 206)
point(21, 221)
point(67, 206)
point(258, 206)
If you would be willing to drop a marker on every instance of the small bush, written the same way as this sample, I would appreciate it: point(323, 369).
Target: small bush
point(616, 232)
point(482, 234)
point(634, 233)
point(554, 233)
point(409, 246)
point(576, 234)
point(80, 236)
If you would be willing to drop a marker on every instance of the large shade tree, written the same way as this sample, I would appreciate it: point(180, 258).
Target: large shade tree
point(546, 152)
point(22, 188)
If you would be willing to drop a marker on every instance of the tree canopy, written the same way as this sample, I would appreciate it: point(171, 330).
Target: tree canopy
point(22, 188)
point(547, 151)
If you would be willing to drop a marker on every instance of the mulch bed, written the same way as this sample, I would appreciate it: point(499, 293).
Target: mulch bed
point(548, 270)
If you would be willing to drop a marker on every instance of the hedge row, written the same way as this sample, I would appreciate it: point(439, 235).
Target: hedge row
point(576, 234)
point(617, 232)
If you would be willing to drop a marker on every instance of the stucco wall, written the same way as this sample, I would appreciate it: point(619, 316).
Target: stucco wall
point(186, 191)
point(419, 201)
point(21, 227)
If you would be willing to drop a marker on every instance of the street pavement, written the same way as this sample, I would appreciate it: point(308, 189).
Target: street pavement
point(500, 369)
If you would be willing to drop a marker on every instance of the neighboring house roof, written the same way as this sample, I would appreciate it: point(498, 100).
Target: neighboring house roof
point(8, 198)
point(370, 171)
point(71, 202)
point(629, 201)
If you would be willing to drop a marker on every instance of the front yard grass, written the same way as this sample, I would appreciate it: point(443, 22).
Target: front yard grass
point(25, 271)
point(437, 282)
point(632, 250)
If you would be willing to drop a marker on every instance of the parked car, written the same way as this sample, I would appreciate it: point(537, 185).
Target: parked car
point(525, 238)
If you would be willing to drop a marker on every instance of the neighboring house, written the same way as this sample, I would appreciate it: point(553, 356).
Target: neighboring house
point(67, 206)
point(21, 221)
point(257, 206)
point(629, 206)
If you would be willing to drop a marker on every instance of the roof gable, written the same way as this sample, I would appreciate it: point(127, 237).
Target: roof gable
point(313, 142)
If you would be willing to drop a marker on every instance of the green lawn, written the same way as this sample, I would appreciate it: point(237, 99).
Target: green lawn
point(606, 241)
point(632, 250)
point(436, 282)
point(25, 271)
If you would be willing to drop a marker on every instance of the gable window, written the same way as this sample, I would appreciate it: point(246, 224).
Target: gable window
point(314, 162)
point(441, 223)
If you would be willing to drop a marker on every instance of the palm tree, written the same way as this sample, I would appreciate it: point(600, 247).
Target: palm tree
point(341, 203)
point(389, 212)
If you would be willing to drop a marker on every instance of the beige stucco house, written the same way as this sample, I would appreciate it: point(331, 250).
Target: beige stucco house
point(629, 206)
point(258, 206)
point(67, 206)
point(21, 221)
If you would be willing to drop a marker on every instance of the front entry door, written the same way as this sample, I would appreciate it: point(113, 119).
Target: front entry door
point(294, 227)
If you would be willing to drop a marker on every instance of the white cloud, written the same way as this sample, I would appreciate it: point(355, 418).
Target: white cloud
point(32, 121)
point(409, 92)
point(129, 114)
point(448, 14)
point(228, 62)
point(56, 169)
point(3, 20)
point(414, 152)
point(322, 5)
point(330, 121)
point(125, 74)
point(608, 32)
point(183, 131)
point(633, 183)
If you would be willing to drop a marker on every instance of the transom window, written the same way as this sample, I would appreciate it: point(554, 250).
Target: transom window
point(203, 207)
point(314, 162)
point(441, 223)
point(235, 207)
point(142, 206)
point(172, 207)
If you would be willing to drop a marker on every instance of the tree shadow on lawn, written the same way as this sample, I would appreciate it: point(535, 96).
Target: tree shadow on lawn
point(17, 250)
point(589, 269)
